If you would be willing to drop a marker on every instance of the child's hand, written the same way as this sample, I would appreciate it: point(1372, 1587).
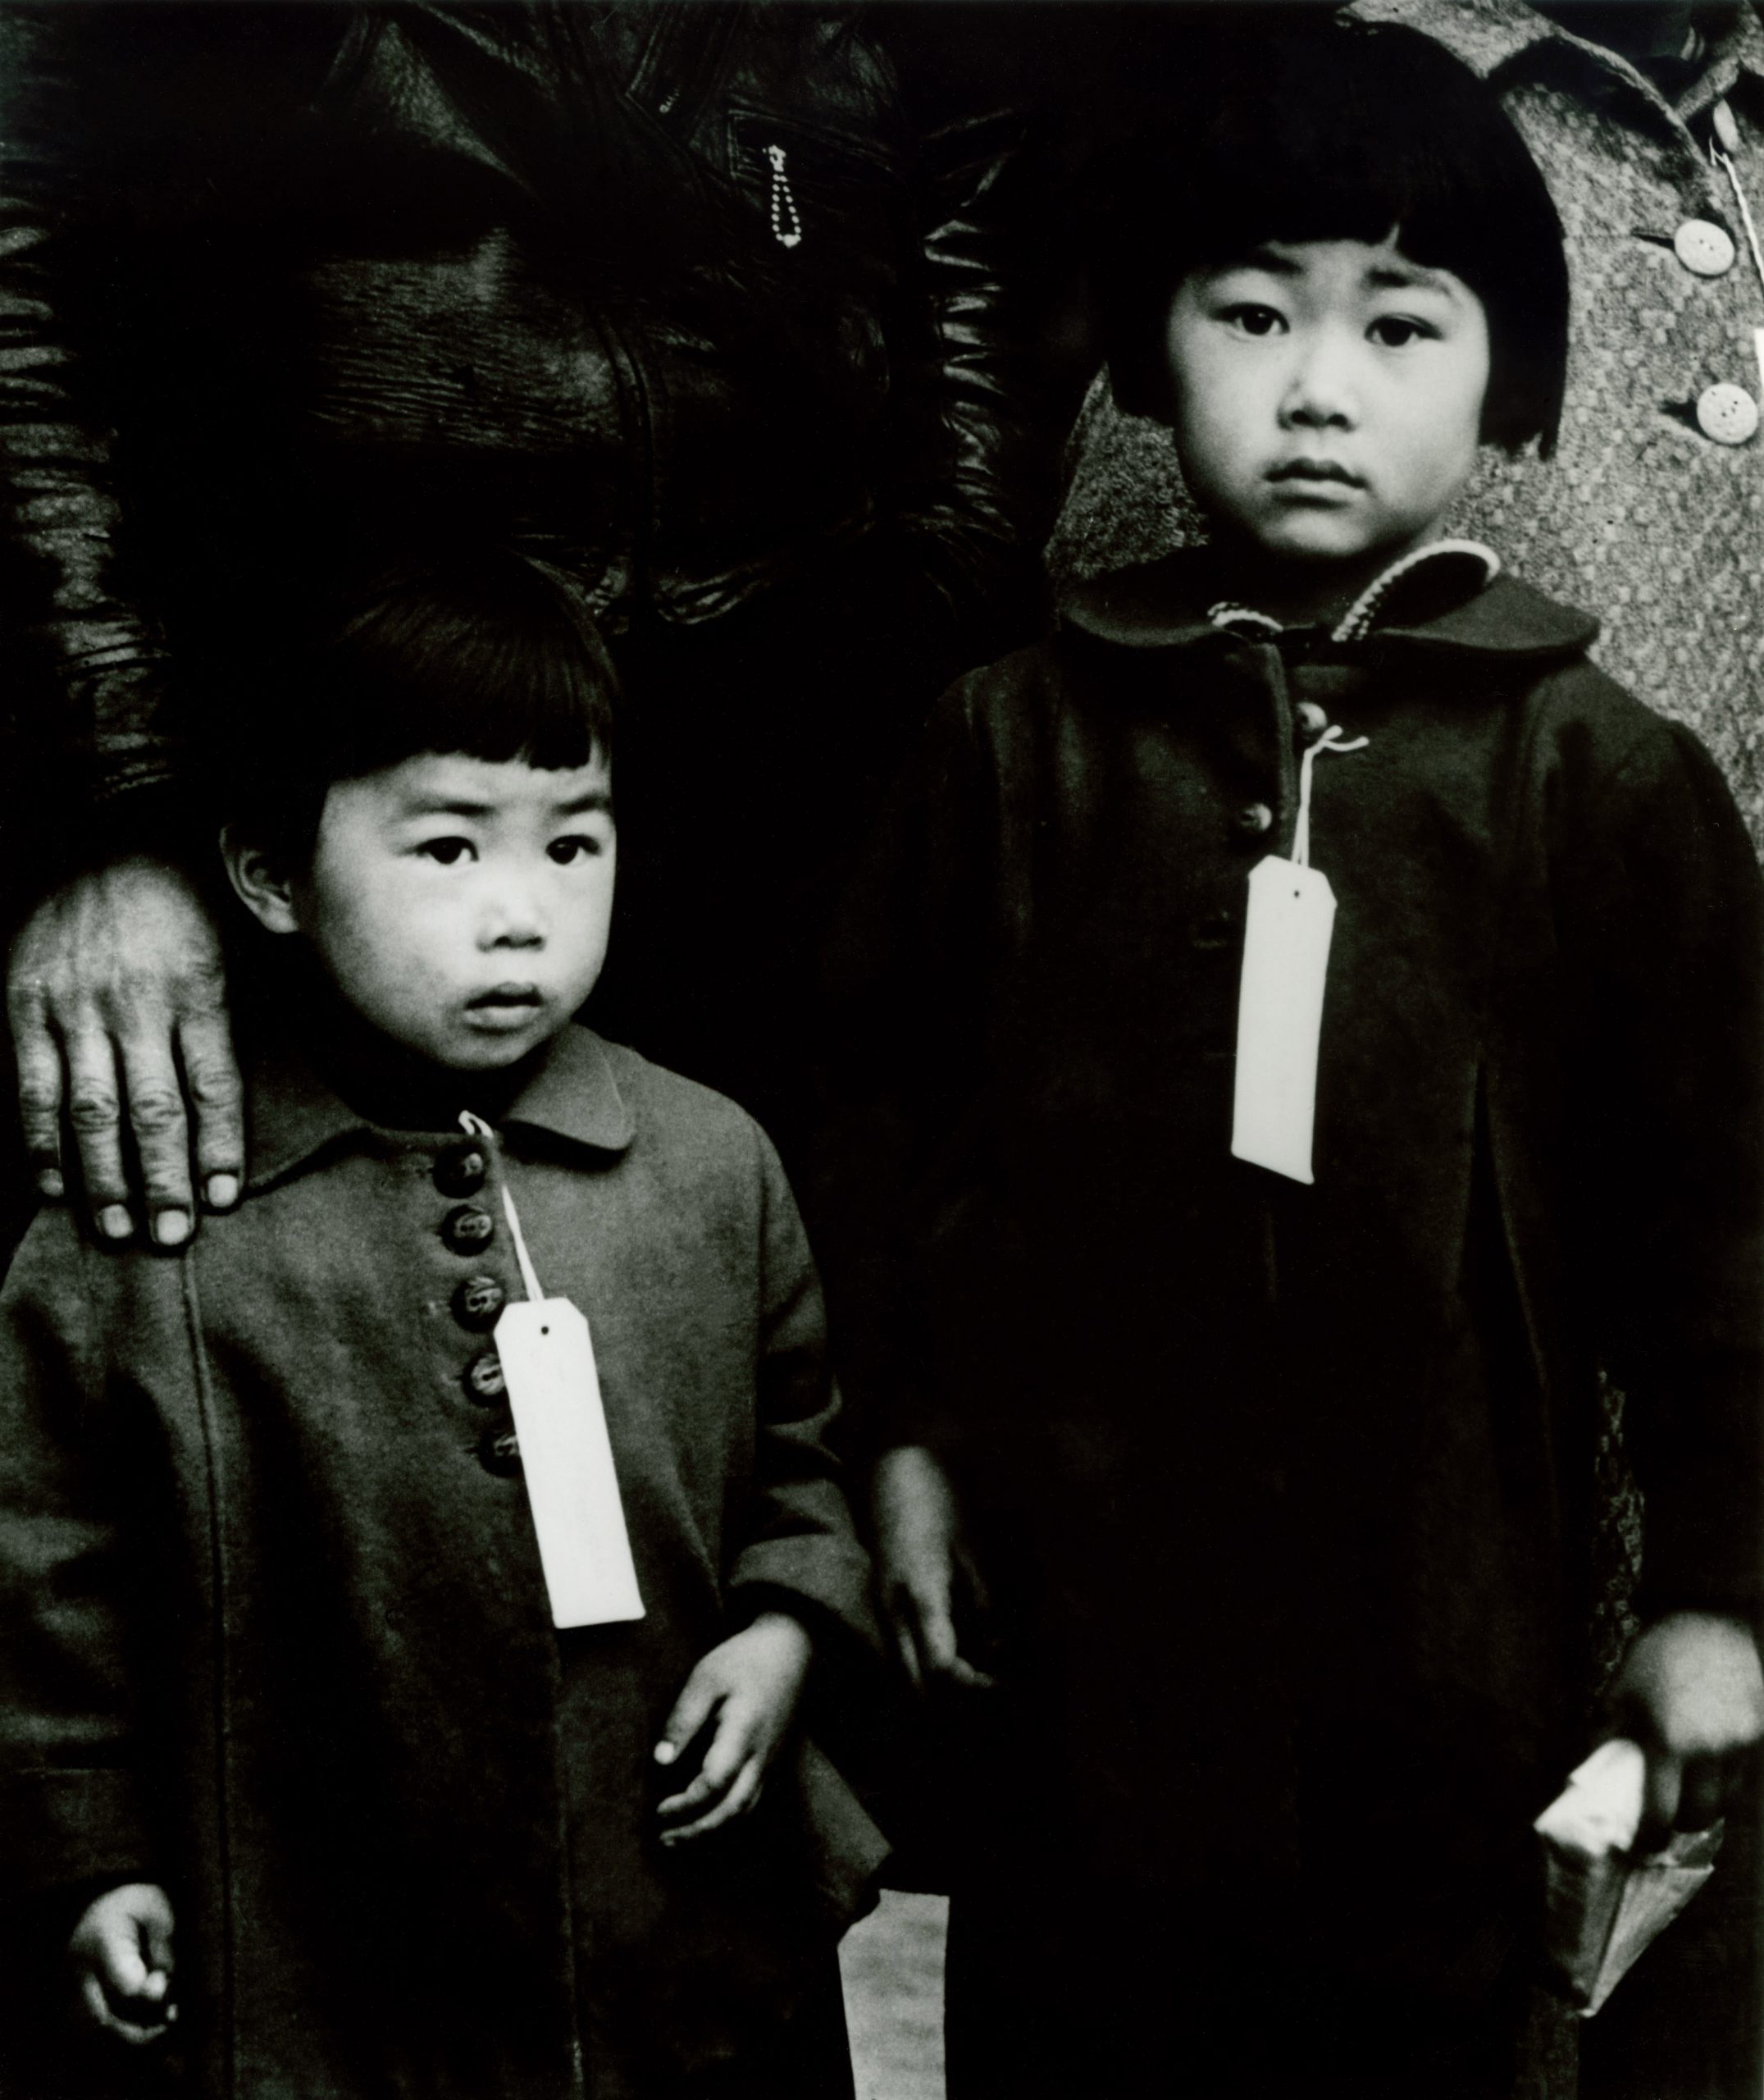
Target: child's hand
point(923, 1567)
point(747, 1692)
point(121, 1953)
point(1691, 1692)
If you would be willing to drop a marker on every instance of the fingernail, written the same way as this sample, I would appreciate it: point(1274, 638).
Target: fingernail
point(171, 1228)
point(223, 1190)
point(114, 1223)
point(50, 1186)
point(665, 1753)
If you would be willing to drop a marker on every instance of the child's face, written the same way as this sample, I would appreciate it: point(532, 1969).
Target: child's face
point(461, 906)
point(1326, 398)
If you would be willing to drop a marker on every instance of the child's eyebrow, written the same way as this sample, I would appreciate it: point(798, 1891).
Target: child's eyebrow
point(445, 806)
point(1406, 277)
point(580, 805)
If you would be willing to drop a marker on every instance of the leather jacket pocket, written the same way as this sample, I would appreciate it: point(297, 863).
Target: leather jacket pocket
point(836, 204)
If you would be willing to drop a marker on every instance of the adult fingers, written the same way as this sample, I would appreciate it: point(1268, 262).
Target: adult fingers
point(211, 1080)
point(40, 1091)
point(742, 1795)
point(155, 1098)
point(94, 1112)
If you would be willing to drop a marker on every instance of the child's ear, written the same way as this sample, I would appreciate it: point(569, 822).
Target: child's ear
point(263, 883)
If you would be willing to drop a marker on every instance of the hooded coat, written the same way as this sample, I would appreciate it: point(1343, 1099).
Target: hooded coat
point(276, 1633)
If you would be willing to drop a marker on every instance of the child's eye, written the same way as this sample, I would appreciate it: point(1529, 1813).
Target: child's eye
point(447, 852)
point(579, 846)
point(1395, 331)
point(1249, 319)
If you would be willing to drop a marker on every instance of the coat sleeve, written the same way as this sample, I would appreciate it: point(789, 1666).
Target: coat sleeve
point(86, 683)
point(901, 1082)
point(71, 1810)
point(800, 1546)
point(1664, 938)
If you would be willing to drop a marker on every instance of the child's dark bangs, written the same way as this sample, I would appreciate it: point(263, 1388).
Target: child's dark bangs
point(497, 663)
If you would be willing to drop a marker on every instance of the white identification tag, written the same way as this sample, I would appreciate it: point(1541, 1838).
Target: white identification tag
point(1286, 963)
point(567, 1461)
point(1286, 959)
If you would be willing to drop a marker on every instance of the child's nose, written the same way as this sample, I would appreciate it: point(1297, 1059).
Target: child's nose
point(513, 918)
point(1321, 391)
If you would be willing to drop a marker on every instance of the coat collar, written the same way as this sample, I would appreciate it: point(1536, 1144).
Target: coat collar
point(1493, 36)
point(1165, 605)
point(293, 1114)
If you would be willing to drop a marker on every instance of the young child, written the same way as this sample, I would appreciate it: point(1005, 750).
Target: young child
point(1238, 1478)
point(280, 1684)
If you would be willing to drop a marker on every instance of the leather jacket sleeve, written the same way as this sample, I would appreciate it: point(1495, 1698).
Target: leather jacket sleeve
point(984, 411)
point(86, 715)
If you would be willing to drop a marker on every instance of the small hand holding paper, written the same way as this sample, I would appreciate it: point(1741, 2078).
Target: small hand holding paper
point(745, 1692)
point(121, 1955)
point(1691, 1692)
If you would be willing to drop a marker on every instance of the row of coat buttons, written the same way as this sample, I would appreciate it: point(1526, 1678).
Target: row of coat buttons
point(478, 1302)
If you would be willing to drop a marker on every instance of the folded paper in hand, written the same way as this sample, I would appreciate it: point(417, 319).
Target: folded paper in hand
point(1604, 1903)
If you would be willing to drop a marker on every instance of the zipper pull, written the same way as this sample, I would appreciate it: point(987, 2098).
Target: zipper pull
point(787, 221)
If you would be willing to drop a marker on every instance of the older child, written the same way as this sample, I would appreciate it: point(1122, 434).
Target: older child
point(279, 1670)
point(1234, 1286)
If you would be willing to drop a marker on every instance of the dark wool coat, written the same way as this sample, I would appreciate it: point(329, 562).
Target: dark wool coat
point(274, 1630)
point(1283, 1493)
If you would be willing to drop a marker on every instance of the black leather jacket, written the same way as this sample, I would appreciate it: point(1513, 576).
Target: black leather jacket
point(682, 297)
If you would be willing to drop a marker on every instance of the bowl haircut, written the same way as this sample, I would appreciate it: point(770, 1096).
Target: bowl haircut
point(490, 655)
point(1338, 131)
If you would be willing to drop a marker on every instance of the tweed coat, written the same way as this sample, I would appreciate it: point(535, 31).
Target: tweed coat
point(1640, 514)
point(1282, 1492)
point(275, 1634)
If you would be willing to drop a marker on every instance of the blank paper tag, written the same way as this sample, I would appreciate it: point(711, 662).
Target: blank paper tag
point(1286, 958)
point(567, 1459)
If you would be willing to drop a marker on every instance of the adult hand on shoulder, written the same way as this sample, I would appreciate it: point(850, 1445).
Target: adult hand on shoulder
point(121, 1954)
point(117, 996)
point(1691, 1691)
point(924, 1569)
point(745, 1693)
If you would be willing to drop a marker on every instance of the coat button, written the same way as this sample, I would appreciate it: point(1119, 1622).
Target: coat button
point(1312, 718)
point(484, 1379)
point(1706, 249)
point(1255, 818)
point(460, 1171)
point(499, 1452)
point(1726, 412)
point(466, 1228)
point(478, 1302)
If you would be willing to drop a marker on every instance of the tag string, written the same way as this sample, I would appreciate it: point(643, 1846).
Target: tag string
point(1331, 740)
point(475, 1126)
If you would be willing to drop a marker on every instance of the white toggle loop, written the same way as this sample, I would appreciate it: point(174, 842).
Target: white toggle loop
point(1331, 740)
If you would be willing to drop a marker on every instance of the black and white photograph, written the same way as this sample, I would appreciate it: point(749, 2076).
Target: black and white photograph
point(882, 1174)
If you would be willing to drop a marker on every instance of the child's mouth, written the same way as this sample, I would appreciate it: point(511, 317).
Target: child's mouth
point(505, 1006)
point(1315, 470)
